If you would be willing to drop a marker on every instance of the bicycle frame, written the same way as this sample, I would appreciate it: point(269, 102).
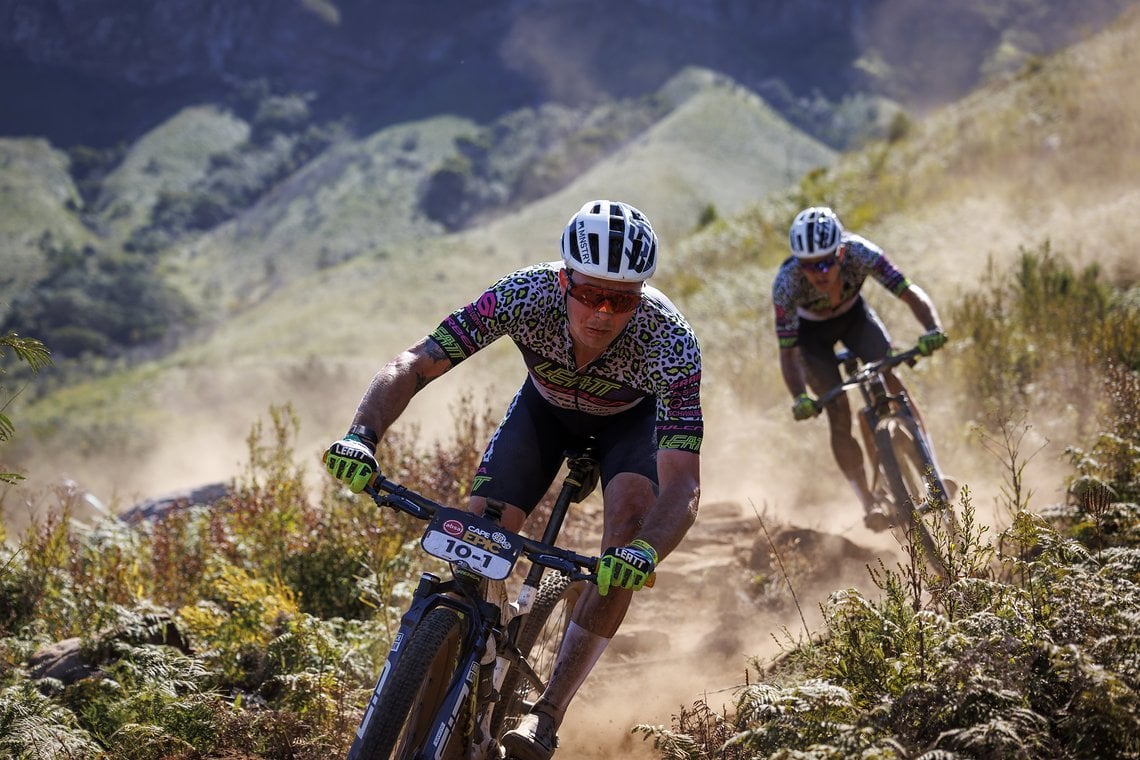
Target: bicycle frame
point(903, 458)
point(484, 639)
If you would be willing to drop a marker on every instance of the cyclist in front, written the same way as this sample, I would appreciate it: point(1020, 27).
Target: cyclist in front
point(818, 301)
point(607, 356)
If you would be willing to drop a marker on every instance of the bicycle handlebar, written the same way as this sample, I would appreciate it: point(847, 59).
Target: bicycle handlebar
point(869, 370)
point(387, 493)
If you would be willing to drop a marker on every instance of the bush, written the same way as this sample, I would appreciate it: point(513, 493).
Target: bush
point(285, 603)
point(1043, 335)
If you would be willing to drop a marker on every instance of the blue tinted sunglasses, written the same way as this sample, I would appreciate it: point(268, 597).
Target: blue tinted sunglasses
point(822, 265)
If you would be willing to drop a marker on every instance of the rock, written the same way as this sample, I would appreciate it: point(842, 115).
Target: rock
point(68, 661)
point(823, 550)
point(63, 661)
point(159, 507)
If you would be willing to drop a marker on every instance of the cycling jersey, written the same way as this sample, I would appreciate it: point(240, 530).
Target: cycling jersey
point(656, 355)
point(795, 298)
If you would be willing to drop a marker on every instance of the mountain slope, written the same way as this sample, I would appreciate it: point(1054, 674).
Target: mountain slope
point(37, 195)
point(292, 321)
point(1046, 155)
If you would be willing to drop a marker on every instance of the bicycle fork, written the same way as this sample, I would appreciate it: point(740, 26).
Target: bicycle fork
point(430, 593)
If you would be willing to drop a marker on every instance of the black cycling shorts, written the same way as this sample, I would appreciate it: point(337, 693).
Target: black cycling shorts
point(525, 453)
point(859, 329)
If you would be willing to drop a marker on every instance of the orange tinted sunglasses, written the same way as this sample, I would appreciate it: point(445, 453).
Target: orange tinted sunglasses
point(603, 299)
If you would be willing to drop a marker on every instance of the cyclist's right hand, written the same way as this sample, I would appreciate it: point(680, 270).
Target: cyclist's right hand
point(352, 461)
point(805, 407)
point(931, 341)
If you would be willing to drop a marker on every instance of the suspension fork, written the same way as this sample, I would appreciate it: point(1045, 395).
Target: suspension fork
point(431, 592)
point(575, 487)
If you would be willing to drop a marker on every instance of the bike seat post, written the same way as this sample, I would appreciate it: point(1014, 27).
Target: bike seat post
point(579, 481)
point(879, 398)
point(847, 359)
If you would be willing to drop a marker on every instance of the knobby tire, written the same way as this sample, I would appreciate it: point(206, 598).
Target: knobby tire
point(923, 511)
point(538, 641)
point(407, 709)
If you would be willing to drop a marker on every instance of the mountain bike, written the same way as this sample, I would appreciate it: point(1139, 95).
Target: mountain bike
point(462, 670)
point(905, 476)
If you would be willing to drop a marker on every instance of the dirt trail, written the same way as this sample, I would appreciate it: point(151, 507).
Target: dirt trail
point(694, 635)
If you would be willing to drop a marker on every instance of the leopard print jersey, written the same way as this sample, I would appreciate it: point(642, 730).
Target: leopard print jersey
point(793, 294)
point(657, 355)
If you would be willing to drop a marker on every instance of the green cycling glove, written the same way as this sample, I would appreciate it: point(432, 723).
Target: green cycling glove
point(352, 461)
point(931, 341)
point(626, 566)
point(805, 407)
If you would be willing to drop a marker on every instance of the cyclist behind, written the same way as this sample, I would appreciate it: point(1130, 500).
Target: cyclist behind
point(818, 302)
point(607, 356)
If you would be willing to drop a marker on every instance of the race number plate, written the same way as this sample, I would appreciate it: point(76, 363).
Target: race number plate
point(472, 542)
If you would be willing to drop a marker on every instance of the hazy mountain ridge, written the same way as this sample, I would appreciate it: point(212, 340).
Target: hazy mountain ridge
point(384, 63)
point(372, 195)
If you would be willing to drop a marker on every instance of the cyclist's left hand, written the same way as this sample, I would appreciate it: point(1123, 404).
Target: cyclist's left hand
point(626, 566)
point(931, 341)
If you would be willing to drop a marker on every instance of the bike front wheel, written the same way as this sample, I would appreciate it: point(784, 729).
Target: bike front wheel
point(538, 642)
point(404, 715)
point(924, 512)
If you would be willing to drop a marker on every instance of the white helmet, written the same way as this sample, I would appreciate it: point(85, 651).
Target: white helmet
point(611, 240)
point(815, 232)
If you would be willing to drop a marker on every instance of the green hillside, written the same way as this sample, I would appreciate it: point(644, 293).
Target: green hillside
point(311, 287)
point(36, 195)
point(314, 285)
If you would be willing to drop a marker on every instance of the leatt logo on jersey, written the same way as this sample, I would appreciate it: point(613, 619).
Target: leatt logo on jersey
point(568, 379)
point(449, 344)
point(584, 249)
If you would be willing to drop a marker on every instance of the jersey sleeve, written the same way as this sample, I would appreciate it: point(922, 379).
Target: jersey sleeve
point(879, 266)
point(680, 424)
point(783, 301)
point(680, 421)
point(477, 325)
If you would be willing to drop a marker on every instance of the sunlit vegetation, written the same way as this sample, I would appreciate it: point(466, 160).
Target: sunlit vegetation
point(1028, 648)
point(1045, 330)
point(33, 354)
point(253, 627)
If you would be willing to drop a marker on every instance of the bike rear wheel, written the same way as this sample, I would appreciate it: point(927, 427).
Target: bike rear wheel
point(539, 642)
point(924, 512)
point(406, 711)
